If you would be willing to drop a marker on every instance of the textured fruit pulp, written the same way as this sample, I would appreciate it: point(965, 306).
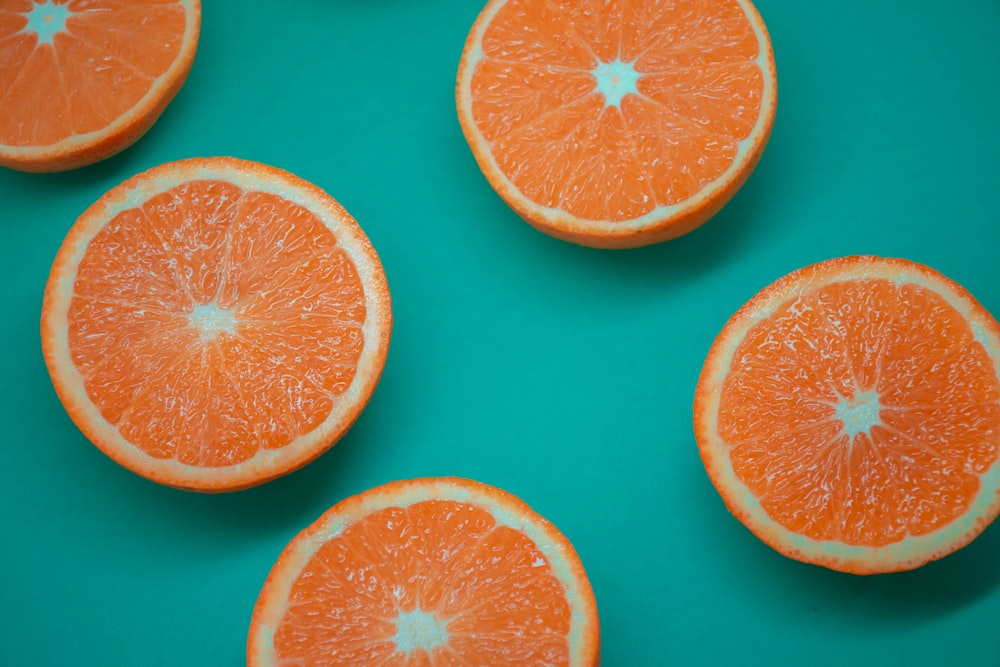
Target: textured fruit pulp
point(212, 322)
point(564, 144)
point(483, 592)
point(862, 412)
point(99, 66)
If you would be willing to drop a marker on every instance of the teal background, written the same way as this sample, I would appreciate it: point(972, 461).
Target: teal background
point(560, 373)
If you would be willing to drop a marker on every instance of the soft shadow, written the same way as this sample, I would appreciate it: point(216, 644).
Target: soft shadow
point(741, 227)
point(873, 603)
point(76, 188)
point(287, 503)
point(218, 523)
point(115, 169)
point(74, 179)
point(733, 230)
point(919, 595)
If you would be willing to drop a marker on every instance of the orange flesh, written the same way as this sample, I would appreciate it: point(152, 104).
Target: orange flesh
point(938, 413)
point(100, 66)
point(489, 586)
point(289, 309)
point(535, 101)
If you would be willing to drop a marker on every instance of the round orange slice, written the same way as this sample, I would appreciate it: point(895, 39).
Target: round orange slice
point(432, 573)
point(849, 415)
point(211, 324)
point(81, 80)
point(617, 123)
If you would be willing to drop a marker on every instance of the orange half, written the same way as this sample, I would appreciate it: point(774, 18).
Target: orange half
point(213, 323)
point(439, 572)
point(81, 80)
point(617, 123)
point(849, 415)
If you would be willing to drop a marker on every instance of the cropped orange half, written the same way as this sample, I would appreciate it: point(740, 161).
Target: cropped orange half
point(213, 323)
point(81, 80)
point(617, 123)
point(438, 572)
point(849, 415)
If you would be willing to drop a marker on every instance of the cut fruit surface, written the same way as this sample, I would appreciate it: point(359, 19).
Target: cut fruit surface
point(81, 80)
point(617, 123)
point(214, 323)
point(849, 415)
point(439, 572)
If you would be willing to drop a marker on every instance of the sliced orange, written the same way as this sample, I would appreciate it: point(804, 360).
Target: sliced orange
point(849, 415)
point(81, 80)
point(617, 123)
point(211, 324)
point(440, 572)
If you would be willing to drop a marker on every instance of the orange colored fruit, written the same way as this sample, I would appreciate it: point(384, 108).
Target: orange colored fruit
point(617, 123)
point(81, 80)
point(430, 572)
point(849, 415)
point(211, 324)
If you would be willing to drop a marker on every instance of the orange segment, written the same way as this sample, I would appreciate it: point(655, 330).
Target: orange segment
point(526, 31)
point(667, 37)
point(16, 48)
point(720, 99)
point(39, 87)
point(617, 124)
point(515, 95)
point(660, 144)
point(12, 18)
point(99, 87)
point(84, 79)
point(143, 36)
point(211, 324)
point(433, 572)
point(849, 415)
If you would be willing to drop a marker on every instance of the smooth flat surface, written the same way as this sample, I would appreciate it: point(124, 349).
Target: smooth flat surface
point(562, 374)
